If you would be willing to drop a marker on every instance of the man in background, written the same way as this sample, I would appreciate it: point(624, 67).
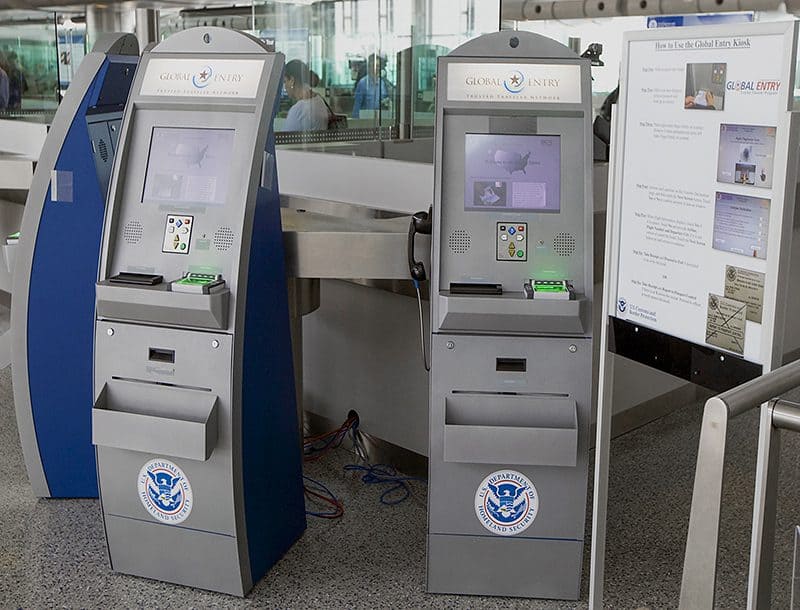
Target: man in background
point(372, 89)
point(18, 84)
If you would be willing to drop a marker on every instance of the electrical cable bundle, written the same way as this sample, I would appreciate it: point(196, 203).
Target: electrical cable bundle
point(358, 442)
point(314, 447)
point(379, 474)
point(319, 493)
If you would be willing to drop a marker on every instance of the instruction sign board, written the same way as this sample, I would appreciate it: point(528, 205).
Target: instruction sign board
point(699, 184)
point(700, 216)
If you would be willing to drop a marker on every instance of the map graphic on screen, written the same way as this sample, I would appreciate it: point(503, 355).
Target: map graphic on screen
point(188, 165)
point(512, 173)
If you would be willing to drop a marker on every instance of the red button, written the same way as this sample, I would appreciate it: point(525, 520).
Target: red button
point(187, 221)
point(521, 227)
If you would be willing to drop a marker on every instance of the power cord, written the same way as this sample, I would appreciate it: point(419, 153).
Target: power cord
point(358, 444)
point(383, 474)
point(314, 447)
point(318, 492)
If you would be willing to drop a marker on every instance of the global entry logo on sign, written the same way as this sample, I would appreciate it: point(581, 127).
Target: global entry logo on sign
point(756, 86)
point(505, 82)
point(239, 78)
point(515, 82)
point(202, 79)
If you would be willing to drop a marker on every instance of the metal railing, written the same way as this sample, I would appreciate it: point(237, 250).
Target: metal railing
point(700, 563)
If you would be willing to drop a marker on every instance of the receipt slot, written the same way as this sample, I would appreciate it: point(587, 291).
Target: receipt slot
point(511, 299)
point(194, 417)
point(52, 312)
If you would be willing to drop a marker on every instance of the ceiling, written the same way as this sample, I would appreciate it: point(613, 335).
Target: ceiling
point(65, 6)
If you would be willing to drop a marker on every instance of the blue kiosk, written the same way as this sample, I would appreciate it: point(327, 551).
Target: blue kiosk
point(56, 267)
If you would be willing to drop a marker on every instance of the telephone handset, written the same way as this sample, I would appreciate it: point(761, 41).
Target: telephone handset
point(421, 222)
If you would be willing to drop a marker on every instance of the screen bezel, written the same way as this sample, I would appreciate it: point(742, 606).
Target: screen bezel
point(144, 199)
point(512, 210)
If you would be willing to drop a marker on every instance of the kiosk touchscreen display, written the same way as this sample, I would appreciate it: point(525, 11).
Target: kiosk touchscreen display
point(188, 165)
point(517, 173)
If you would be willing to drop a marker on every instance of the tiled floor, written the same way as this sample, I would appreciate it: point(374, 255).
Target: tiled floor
point(52, 553)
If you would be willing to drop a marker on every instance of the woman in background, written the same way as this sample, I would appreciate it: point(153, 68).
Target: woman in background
point(309, 111)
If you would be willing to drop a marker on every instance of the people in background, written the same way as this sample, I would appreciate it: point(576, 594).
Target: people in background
point(5, 82)
point(372, 89)
point(309, 112)
point(17, 82)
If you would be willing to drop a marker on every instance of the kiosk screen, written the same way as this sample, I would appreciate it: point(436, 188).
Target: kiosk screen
point(188, 165)
point(514, 173)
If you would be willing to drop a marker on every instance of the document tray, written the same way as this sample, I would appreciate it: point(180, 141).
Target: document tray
point(524, 430)
point(152, 418)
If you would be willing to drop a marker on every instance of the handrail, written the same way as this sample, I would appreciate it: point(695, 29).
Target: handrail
point(757, 391)
point(786, 415)
point(700, 561)
point(779, 415)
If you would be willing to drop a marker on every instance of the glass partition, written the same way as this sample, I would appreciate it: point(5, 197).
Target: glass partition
point(29, 65)
point(607, 31)
point(71, 39)
point(357, 70)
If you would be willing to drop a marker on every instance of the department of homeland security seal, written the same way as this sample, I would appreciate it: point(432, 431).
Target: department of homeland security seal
point(165, 491)
point(506, 502)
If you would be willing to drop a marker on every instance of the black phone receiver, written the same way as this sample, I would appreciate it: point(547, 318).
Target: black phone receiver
point(421, 222)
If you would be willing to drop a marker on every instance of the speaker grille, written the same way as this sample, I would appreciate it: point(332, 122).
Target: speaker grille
point(132, 232)
point(223, 238)
point(459, 241)
point(564, 244)
point(102, 148)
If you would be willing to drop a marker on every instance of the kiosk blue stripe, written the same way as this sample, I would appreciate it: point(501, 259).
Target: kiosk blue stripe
point(272, 483)
point(61, 316)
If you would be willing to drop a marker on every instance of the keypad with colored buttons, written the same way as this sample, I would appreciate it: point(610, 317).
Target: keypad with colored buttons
point(512, 241)
point(178, 234)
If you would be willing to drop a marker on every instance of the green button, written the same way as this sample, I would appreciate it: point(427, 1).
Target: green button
point(183, 246)
point(520, 253)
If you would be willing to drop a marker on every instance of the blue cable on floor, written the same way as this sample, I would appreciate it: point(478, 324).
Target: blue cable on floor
point(383, 474)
